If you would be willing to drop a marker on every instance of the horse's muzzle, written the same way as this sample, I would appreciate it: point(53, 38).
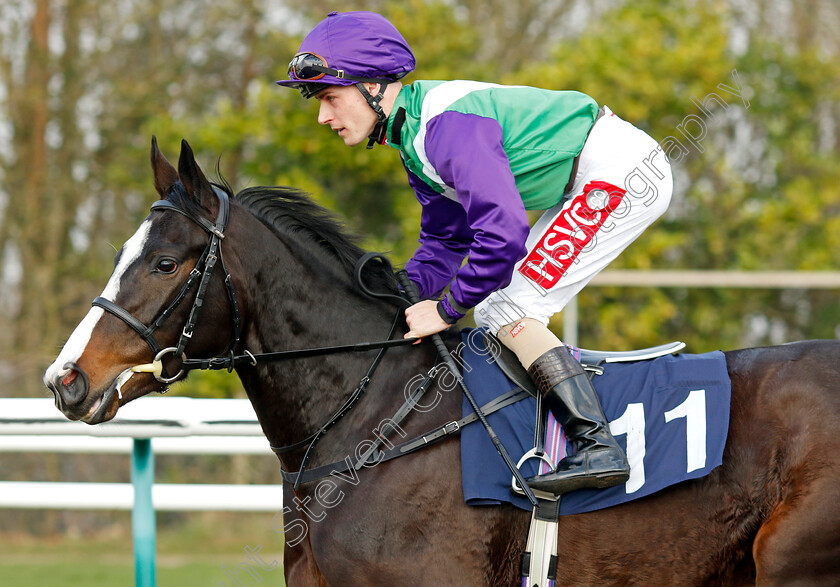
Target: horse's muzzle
point(70, 387)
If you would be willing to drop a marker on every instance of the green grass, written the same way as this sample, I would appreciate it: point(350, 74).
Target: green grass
point(190, 554)
point(81, 574)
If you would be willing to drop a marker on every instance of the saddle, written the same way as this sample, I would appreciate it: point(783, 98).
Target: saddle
point(539, 561)
point(590, 359)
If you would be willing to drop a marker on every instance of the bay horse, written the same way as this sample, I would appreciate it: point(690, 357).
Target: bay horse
point(770, 515)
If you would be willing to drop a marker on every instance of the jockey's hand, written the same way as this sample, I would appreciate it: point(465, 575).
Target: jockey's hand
point(423, 320)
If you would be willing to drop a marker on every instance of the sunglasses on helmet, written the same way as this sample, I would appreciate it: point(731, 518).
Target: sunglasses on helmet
point(310, 67)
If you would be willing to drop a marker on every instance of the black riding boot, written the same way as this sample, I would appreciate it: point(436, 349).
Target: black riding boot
point(599, 461)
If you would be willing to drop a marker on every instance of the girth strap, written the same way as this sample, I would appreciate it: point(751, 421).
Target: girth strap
point(539, 561)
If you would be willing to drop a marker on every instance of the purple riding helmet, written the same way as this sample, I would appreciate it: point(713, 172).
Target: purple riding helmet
point(351, 48)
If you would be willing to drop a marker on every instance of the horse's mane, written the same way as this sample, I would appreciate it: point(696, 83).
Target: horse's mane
point(289, 211)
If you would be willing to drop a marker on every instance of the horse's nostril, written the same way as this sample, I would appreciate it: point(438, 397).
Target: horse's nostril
point(71, 384)
point(69, 377)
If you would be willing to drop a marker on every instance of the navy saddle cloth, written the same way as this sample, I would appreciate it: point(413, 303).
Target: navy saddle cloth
point(670, 414)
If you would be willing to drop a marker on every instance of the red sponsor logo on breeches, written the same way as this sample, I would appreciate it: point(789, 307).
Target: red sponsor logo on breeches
point(573, 231)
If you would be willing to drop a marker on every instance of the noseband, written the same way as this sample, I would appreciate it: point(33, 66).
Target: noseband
point(203, 269)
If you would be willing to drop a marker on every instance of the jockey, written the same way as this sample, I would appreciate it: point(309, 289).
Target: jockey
point(478, 155)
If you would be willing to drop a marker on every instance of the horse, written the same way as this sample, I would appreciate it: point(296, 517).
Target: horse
point(769, 515)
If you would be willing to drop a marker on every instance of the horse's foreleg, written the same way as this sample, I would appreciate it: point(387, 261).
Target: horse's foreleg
point(299, 566)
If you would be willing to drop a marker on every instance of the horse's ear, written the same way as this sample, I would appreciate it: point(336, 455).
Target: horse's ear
point(198, 188)
point(165, 174)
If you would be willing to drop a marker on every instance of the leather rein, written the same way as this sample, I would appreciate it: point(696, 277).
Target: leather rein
point(202, 273)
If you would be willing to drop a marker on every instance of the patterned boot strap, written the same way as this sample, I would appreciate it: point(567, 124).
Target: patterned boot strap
point(554, 367)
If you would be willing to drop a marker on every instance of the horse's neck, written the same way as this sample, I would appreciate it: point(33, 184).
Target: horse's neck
point(301, 308)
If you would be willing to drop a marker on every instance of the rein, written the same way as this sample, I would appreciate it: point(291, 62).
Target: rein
point(202, 273)
point(204, 269)
point(232, 361)
point(348, 405)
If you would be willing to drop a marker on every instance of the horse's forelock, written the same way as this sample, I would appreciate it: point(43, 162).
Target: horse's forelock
point(178, 195)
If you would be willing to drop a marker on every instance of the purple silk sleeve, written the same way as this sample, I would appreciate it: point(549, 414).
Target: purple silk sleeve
point(445, 240)
point(468, 153)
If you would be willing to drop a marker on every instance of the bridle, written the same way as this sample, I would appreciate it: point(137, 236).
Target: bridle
point(200, 274)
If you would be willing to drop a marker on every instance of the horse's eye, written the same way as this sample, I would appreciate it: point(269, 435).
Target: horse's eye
point(166, 266)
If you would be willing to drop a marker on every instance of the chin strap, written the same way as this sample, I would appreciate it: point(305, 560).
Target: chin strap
point(380, 130)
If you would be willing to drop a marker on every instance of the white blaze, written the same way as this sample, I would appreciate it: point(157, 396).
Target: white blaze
point(78, 341)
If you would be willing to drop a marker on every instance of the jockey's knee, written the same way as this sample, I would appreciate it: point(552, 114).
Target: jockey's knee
point(529, 339)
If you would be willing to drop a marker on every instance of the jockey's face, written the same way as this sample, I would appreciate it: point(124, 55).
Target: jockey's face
point(347, 112)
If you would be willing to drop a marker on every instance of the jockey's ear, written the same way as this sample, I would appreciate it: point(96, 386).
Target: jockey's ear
point(196, 184)
point(165, 174)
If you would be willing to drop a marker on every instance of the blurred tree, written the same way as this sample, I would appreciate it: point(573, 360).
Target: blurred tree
point(87, 83)
point(80, 80)
point(759, 191)
point(25, 229)
point(84, 85)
